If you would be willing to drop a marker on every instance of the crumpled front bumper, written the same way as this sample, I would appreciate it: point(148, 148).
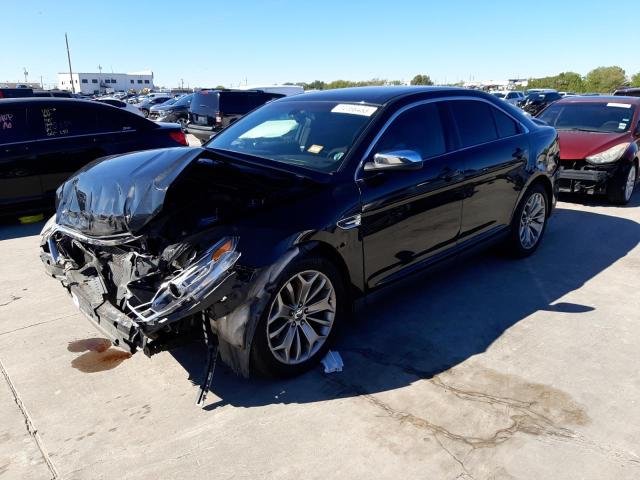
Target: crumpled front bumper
point(147, 326)
point(581, 177)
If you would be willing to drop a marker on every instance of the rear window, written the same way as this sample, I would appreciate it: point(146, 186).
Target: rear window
point(120, 120)
point(609, 117)
point(205, 102)
point(475, 122)
point(13, 125)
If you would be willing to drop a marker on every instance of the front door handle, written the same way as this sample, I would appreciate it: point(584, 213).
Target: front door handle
point(518, 154)
point(449, 174)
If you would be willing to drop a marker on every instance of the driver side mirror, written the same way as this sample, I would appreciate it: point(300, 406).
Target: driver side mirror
point(636, 132)
point(395, 160)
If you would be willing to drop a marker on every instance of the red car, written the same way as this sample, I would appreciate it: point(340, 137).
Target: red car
point(599, 144)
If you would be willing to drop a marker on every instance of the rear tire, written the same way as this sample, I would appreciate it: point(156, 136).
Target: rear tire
point(621, 187)
point(529, 222)
point(288, 319)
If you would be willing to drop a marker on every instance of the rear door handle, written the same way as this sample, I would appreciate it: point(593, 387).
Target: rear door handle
point(449, 174)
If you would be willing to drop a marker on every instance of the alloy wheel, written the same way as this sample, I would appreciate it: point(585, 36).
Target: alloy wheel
point(631, 183)
point(301, 317)
point(532, 220)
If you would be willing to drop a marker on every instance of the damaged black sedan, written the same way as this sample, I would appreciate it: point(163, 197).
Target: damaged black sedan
point(270, 231)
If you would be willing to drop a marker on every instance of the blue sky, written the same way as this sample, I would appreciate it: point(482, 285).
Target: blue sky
point(208, 43)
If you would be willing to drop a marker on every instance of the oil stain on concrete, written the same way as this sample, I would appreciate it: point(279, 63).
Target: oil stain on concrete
point(98, 356)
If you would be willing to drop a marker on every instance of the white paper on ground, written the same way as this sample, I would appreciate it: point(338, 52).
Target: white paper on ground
point(332, 362)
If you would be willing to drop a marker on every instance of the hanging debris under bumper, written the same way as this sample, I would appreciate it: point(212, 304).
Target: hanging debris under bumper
point(130, 297)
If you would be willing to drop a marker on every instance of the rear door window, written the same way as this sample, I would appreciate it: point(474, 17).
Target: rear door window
point(419, 129)
point(56, 120)
point(232, 103)
point(13, 124)
point(474, 120)
point(507, 127)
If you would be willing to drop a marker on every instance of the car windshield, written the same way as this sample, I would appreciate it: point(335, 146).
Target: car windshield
point(611, 117)
point(186, 100)
point(315, 135)
point(532, 97)
point(498, 94)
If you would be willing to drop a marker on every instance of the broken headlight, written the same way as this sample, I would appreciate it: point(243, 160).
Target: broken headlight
point(192, 284)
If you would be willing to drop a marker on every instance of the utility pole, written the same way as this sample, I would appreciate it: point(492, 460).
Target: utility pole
point(73, 88)
point(41, 84)
point(100, 78)
point(26, 74)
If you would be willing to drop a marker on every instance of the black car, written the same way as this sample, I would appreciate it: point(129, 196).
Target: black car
point(16, 92)
point(213, 110)
point(534, 103)
point(44, 140)
point(146, 105)
point(268, 233)
point(177, 112)
point(627, 92)
point(53, 93)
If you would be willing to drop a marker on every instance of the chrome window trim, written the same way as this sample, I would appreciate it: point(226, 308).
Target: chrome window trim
point(399, 112)
point(107, 240)
point(83, 135)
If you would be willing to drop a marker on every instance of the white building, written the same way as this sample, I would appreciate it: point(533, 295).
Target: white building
point(90, 83)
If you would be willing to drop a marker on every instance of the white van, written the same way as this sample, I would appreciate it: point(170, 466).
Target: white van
point(287, 90)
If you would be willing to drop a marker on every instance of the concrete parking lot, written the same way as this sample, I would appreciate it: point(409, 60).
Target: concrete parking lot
point(488, 369)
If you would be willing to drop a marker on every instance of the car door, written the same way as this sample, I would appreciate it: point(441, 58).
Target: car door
point(494, 150)
point(19, 176)
point(65, 140)
point(119, 131)
point(410, 217)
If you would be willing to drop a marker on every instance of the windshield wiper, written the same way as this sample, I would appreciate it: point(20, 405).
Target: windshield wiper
point(253, 160)
point(575, 129)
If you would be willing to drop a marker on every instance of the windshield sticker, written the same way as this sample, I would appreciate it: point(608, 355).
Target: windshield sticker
point(364, 110)
point(619, 105)
point(315, 149)
point(622, 126)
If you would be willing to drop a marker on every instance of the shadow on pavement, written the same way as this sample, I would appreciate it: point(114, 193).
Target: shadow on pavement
point(599, 200)
point(431, 322)
point(13, 229)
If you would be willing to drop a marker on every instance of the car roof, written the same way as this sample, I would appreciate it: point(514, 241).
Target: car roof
point(601, 99)
point(375, 95)
point(45, 99)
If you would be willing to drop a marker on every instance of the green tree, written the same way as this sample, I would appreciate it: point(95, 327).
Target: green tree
point(635, 80)
point(421, 80)
point(564, 82)
point(605, 79)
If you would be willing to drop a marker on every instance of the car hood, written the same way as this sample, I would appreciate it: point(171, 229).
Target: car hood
point(121, 193)
point(184, 189)
point(575, 145)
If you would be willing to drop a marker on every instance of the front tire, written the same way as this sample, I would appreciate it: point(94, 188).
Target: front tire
point(621, 186)
point(301, 319)
point(529, 222)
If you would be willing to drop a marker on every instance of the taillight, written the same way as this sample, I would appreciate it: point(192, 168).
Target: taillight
point(179, 137)
point(1, 94)
point(218, 119)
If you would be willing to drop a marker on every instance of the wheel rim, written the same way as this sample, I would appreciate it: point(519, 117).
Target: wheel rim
point(532, 220)
point(301, 317)
point(631, 183)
